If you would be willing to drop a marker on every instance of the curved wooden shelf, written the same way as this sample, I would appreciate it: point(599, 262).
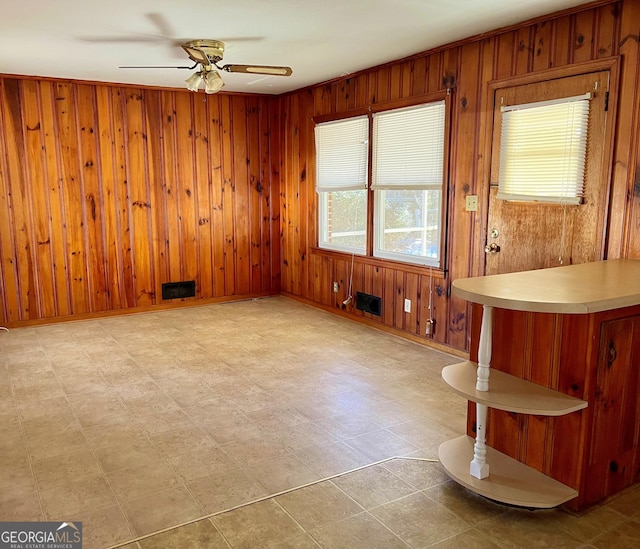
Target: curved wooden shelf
point(509, 480)
point(572, 289)
point(510, 393)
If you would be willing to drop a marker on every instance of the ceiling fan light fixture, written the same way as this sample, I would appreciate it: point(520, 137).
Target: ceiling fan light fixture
point(213, 82)
point(193, 82)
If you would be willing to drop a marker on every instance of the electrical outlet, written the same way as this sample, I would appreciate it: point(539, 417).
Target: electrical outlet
point(472, 202)
point(335, 287)
point(407, 305)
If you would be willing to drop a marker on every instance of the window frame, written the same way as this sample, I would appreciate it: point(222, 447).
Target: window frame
point(404, 259)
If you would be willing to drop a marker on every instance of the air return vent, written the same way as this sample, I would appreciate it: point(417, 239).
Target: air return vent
point(369, 303)
point(177, 290)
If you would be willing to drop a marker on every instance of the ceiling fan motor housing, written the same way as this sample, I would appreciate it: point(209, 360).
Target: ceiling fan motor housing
point(205, 52)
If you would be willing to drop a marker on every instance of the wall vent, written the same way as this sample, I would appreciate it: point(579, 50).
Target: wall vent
point(369, 303)
point(177, 290)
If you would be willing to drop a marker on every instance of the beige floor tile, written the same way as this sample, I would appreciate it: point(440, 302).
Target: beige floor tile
point(167, 420)
point(332, 459)
point(373, 486)
point(114, 457)
point(469, 539)
point(103, 412)
point(424, 434)
point(51, 424)
point(15, 474)
point(318, 505)
point(623, 536)
point(347, 425)
point(229, 427)
point(357, 532)
point(182, 441)
point(274, 419)
point(60, 470)
point(201, 463)
point(31, 408)
point(627, 502)
point(62, 443)
point(466, 504)
point(518, 528)
point(22, 506)
point(418, 520)
point(151, 404)
point(587, 525)
point(198, 535)
point(283, 473)
point(105, 527)
point(255, 448)
point(381, 444)
point(72, 499)
point(224, 491)
point(301, 436)
point(161, 510)
point(263, 525)
point(115, 435)
point(419, 474)
point(136, 482)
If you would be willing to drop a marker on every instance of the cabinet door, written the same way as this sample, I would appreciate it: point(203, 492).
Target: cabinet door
point(616, 411)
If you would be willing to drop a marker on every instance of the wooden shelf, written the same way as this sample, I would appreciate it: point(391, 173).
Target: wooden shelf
point(509, 480)
point(510, 393)
point(578, 289)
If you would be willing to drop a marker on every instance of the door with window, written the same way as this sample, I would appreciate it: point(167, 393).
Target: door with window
point(549, 187)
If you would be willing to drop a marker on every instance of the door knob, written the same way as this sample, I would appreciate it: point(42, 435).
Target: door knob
point(492, 248)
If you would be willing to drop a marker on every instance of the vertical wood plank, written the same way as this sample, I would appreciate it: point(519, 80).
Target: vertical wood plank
point(106, 153)
point(228, 202)
point(124, 217)
point(203, 187)
point(35, 196)
point(91, 182)
point(10, 294)
point(73, 196)
point(186, 185)
point(141, 207)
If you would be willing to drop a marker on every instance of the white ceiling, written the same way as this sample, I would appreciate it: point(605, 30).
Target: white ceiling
point(319, 39)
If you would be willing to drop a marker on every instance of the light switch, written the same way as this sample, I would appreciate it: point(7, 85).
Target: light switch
point(472, 203)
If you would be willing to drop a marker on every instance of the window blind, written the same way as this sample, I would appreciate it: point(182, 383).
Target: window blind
point(408, 147)
point(543, 150)
point(342, 154)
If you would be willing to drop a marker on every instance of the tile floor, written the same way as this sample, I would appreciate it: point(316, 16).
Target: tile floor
point(158, 430)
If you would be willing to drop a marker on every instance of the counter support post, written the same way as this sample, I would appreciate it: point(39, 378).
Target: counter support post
point(479, 468)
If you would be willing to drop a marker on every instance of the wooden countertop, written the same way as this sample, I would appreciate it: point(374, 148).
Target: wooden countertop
point(578, 289)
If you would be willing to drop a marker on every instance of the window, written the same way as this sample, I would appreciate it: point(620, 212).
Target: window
point(408, 169)
point(341, 182)
point(407, 174)
point(543, 149)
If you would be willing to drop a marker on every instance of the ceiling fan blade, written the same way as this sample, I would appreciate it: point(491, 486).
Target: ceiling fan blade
point(122, 39)
point(155, 67)
point(259, 69)
point(161, 22)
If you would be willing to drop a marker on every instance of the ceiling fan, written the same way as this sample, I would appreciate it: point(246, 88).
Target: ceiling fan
point(208, 54)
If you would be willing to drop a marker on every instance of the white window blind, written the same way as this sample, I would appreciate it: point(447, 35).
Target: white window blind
point(408, 147)
point(543, 149)
point(342, 154)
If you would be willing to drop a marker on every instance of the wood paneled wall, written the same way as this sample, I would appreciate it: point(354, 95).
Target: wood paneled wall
point(107, 192)
point(601, 31)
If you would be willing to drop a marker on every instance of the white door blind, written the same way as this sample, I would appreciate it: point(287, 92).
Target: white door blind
point(543, 149)
point(408, 147)
point(342, 154)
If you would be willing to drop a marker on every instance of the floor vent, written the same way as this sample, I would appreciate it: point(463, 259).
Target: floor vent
point(369, 303)
point(177, 290)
